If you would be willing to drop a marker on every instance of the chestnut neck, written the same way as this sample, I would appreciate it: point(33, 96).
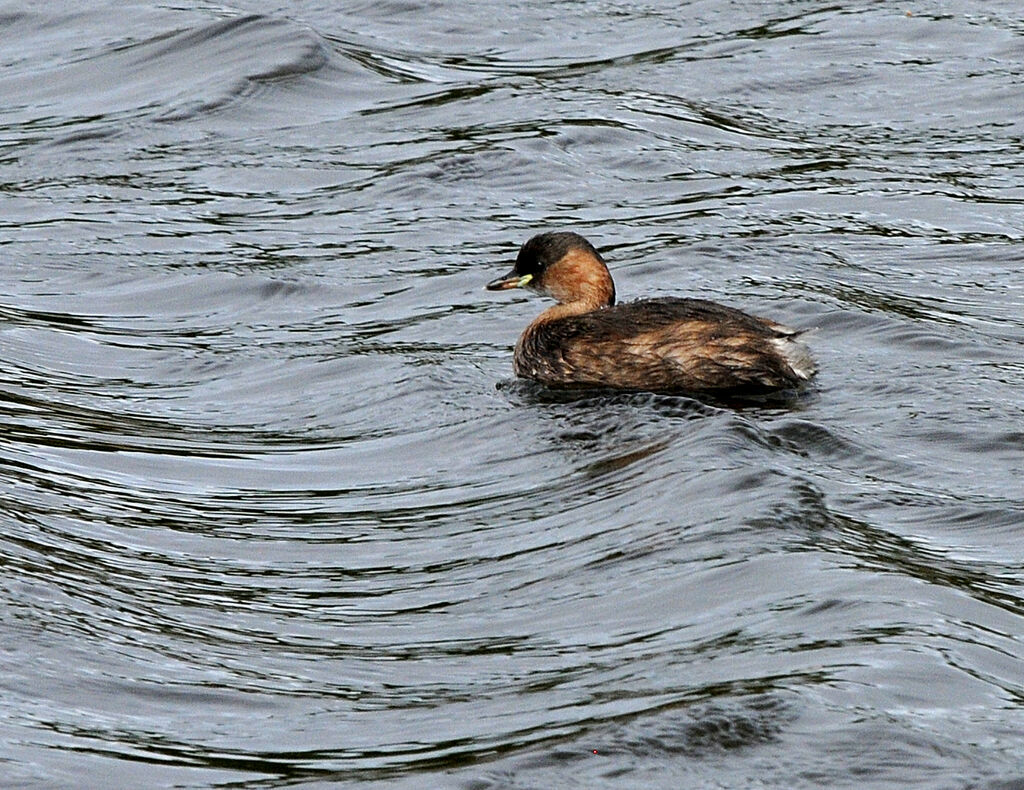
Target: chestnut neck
point(580, 282)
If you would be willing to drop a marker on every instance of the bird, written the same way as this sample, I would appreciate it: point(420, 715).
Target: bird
point(668, 344)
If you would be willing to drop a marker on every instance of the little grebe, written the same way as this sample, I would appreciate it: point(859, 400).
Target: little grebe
point(668, 344)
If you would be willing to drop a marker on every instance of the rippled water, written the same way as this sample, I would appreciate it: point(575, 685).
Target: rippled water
point(275, 513)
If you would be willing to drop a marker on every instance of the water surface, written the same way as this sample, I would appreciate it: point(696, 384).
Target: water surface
point(274, 512)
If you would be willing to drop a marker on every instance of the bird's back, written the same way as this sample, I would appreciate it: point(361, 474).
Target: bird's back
point(669, 344)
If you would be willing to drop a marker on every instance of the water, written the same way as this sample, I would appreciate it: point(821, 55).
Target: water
point(275, 513)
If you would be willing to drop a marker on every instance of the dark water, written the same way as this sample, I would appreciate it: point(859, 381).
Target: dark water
point(273, 512)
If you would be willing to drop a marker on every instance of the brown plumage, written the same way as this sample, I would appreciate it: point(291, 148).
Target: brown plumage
point(664, 345)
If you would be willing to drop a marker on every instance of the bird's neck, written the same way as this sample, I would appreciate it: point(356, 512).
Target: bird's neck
point(580, 284)
point(566, 309)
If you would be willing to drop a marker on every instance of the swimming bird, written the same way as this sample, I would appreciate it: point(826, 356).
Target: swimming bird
point(668, 344)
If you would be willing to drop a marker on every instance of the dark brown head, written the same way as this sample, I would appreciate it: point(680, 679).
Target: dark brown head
point(564, 266)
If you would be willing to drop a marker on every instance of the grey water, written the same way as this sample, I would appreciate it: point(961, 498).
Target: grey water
point(275, 513)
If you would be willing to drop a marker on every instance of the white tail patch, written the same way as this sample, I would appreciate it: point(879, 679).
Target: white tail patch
point(795, 352)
